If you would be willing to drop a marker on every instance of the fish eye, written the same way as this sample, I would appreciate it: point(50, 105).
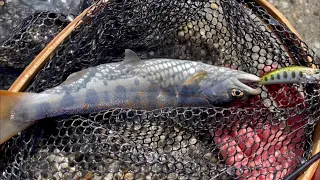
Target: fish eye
point(237, 93)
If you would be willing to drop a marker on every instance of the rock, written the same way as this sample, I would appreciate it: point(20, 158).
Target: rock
point(51, 158)
point(283, 5)
point(307, 24)
point(293, 1)
point(64, 165)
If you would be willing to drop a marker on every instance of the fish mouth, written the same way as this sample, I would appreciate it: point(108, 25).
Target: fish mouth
point(248, 78)
point(245, 78)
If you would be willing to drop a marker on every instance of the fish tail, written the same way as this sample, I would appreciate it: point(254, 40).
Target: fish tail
point(8, 127)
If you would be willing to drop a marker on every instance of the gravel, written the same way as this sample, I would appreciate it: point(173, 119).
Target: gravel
point(304, 15)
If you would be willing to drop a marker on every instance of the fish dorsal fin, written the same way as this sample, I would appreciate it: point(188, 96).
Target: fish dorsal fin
point(196, 78)
point(131, 56)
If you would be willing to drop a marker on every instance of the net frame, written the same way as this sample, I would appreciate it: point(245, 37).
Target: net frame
point(24, 79)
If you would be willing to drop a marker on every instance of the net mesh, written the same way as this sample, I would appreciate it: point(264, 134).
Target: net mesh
point(33, 34)
point(266, 137)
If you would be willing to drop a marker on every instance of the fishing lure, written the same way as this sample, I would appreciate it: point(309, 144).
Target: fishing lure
point(131, 83)
point(291, 74)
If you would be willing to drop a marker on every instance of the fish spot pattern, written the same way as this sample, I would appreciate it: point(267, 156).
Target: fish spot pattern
point(105, 83)
point(293, 74)
point(42, 110)
point(272, 77)
point(67, 101)
point(92, 97)
point(136, 82)
point(120, 94)
point(300, 73)
point(106, 97)
point(120, 88)
point(285, 74)
point(137, 100)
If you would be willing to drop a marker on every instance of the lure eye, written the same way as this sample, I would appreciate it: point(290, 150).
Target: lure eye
point(237, 93)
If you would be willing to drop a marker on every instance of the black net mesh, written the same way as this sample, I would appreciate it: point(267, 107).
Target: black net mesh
point(266, 137)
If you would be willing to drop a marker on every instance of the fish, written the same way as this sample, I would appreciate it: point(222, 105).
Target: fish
point(131, 83)
point(291, 74)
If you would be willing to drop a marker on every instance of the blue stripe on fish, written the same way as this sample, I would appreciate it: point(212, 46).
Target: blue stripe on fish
point(189, 95)
point(105, 96)
point(92, 97)
point(120, 94)
point(151, 97)
point(67, 101)
point(42, 110)
point(137, 100)
point(189, 90)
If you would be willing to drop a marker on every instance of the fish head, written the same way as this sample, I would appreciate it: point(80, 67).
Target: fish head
point(231, 89)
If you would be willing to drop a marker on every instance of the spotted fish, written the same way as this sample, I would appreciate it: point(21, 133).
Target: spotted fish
point(291, 74)
point(131, 83)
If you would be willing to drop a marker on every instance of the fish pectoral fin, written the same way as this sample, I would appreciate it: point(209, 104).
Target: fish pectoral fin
point(196, 78)
point(8, 100)
point(131, 57)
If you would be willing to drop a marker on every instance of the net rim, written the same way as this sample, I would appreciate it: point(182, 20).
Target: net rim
point(39, 61)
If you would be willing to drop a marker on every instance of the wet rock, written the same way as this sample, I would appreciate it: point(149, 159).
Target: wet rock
point(293, 1)
point(304, 16)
